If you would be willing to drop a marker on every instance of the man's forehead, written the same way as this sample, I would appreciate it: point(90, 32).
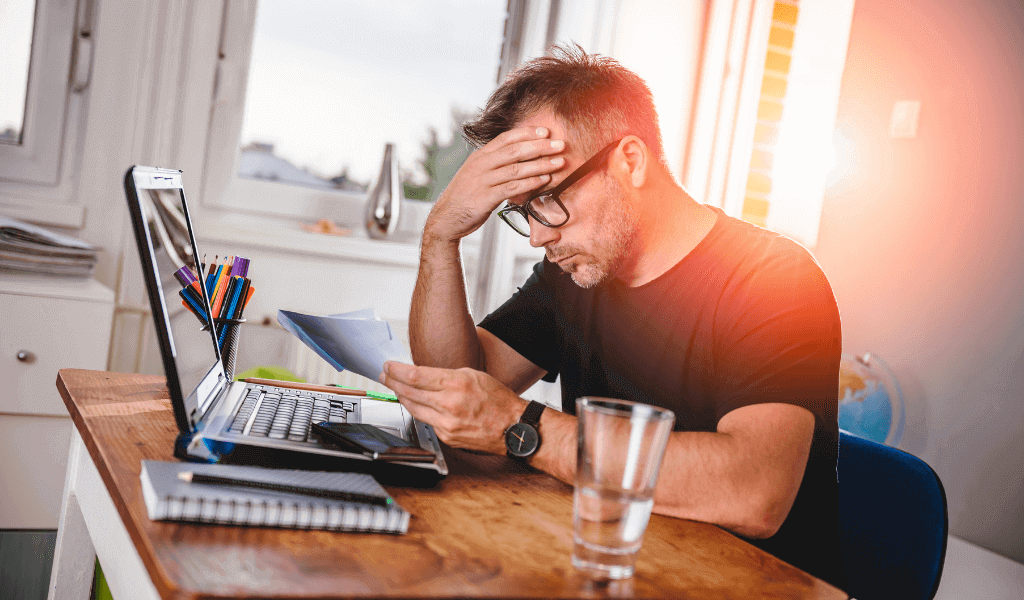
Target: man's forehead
point(557, 127)
point(544, 118)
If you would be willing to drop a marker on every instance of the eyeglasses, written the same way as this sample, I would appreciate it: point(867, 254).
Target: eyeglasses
point(546, 208)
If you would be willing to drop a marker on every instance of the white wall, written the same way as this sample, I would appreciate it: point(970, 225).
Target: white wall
point(923, 241)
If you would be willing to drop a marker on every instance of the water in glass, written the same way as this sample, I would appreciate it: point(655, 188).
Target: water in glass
point(608, 530)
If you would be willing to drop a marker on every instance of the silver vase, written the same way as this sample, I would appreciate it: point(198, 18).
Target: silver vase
point(384, 202)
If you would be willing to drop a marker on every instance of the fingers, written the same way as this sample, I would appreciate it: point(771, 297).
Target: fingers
point(417, 401)
point(516, 135)
point(540, 168)
point(521, 152)
point(422, 412)
point(408, 392)
point(425, 404)
point(520, 145)
point(513, 181)
point(467, 408)
point(518, 191)
point(422, 378)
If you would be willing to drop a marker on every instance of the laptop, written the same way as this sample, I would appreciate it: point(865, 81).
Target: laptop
point(236, 422)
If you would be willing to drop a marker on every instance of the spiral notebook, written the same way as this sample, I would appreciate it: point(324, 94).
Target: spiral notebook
point(169, 498)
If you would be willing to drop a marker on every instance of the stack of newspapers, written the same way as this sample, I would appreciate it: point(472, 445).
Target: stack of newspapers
point(31, 249)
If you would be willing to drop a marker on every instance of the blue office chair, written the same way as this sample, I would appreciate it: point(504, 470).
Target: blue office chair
point(892, 522)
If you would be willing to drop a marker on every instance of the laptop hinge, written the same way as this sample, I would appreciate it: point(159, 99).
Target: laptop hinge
point(214, 393)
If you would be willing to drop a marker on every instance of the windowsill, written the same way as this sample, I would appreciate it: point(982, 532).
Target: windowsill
point(288, 237)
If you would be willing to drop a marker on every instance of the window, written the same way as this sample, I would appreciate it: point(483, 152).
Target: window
point(16, 47)
point(766, 108)
point(37, 43)
point(804, 154)
point(327, 84)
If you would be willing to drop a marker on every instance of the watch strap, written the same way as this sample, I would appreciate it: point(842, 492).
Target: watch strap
point(531, 416)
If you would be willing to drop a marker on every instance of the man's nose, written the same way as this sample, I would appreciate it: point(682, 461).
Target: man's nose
point(541, 235)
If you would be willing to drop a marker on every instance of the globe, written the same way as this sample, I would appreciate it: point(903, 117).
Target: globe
point(870, 399)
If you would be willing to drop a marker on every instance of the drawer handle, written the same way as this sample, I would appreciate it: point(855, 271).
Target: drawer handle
point(26, 357)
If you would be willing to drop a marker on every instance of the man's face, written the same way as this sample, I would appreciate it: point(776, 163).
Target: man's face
point(598, 237)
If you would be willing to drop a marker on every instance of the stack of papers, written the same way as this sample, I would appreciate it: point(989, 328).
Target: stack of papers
point(25, 247)
point(357, 341)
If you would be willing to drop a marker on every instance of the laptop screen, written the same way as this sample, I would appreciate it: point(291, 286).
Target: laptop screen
point(163, 230)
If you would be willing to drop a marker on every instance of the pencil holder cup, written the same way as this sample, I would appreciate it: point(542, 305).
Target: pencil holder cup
point(228, 331)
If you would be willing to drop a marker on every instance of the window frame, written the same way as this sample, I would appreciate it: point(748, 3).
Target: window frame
point(222, 188)
point(728, 93)
point(722, 127)
point(36, 159)
point(32, 181)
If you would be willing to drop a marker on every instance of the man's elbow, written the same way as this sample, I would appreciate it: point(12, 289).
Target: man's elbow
point(764, 515)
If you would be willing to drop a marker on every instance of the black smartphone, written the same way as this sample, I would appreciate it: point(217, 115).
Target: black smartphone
point(371, 441)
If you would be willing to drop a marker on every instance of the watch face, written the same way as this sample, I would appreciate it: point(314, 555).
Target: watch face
point(521, 440)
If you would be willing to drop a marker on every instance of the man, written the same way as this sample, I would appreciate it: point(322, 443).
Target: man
point(643, 295)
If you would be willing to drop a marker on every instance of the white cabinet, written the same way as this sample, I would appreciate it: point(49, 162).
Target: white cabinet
point(46, 324)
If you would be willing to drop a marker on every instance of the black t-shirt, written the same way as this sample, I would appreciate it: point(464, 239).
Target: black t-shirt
point(747, 317)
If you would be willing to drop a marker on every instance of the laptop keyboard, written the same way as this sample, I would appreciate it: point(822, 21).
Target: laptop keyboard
point(286, 414)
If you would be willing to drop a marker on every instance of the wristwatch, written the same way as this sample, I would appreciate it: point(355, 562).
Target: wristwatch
point(522, 439)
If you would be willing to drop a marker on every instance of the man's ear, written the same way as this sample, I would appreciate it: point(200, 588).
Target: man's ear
point(637, 160)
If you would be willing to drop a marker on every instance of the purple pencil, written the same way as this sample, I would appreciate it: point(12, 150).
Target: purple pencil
point(185, 276)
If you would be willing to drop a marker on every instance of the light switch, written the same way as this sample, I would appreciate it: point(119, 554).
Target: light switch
point(904, 119)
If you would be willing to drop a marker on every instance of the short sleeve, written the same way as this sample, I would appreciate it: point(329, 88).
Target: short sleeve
point(783, 342)
point(526, 322)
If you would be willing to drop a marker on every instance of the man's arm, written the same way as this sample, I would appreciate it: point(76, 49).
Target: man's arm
point(441, 330)
point(743, 477)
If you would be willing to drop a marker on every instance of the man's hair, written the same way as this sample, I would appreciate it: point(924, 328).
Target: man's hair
point(597, 99)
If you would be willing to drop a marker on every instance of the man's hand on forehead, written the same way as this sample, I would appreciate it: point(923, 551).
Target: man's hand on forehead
point(509, 167)
point(521, 155)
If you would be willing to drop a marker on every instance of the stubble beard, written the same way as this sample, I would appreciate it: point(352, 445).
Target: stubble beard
point(613, 242)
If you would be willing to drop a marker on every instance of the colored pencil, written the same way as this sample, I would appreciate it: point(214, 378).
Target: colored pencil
point(243, 295)
point(195, 308)
point(218, 290)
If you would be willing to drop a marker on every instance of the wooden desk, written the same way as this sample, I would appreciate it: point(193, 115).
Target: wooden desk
point(491, 529)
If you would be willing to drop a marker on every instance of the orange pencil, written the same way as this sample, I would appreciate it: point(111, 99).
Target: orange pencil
point(218, 288)
point(248, 295)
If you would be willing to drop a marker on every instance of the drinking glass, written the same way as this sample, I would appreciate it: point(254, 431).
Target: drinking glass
point(619, 452)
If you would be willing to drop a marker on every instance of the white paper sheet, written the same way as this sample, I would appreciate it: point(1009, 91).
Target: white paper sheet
point(357, 341)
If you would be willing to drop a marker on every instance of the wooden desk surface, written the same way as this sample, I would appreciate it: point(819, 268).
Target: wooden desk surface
point(491, 529)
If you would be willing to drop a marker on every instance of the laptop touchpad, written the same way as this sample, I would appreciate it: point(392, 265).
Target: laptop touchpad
point(389, 416)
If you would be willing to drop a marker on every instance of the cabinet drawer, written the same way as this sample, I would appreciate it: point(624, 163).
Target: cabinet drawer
point(51, 334)
point(33, 461)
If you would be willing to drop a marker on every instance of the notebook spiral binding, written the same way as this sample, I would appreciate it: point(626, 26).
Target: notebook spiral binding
point(295, 515)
